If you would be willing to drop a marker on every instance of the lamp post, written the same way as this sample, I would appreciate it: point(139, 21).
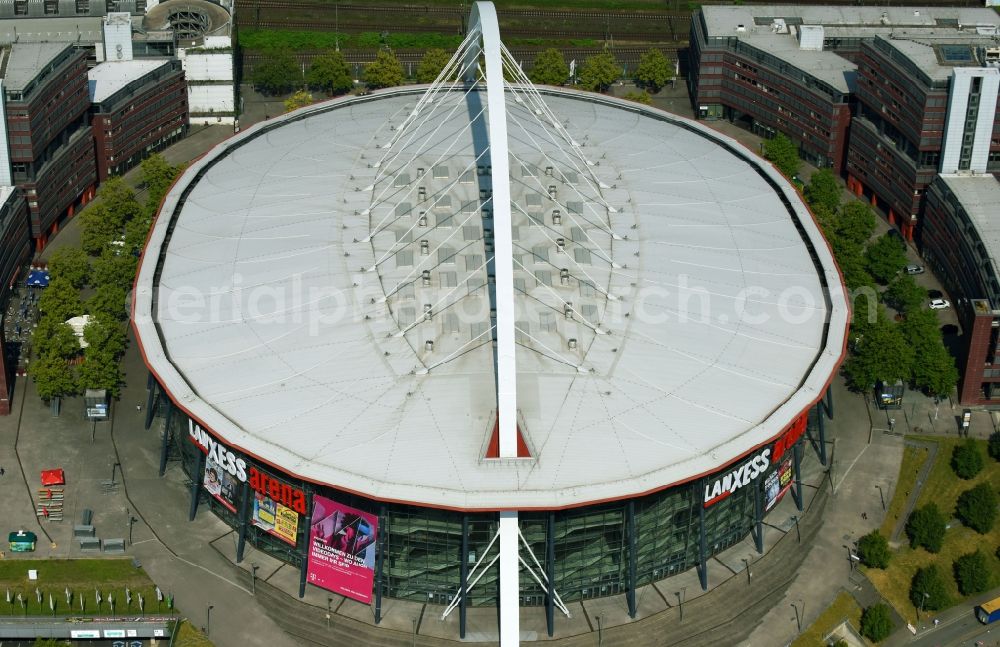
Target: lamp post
point(798, 535)
point(600, 633)
point(208, 620)
point(413, 638)
point(746, 565)
point(253, 578)
point(881, 496)
point(798, 619)
point(680, 600)
point(131, 522)
point(329, 603)
point(922, 600)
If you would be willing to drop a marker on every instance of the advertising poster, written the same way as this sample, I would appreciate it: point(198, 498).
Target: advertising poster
point(220, 484)
point(342, 549)
point(275, 518)
point(777, 483)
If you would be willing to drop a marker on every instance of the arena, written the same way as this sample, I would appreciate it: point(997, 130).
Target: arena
point(386, 327)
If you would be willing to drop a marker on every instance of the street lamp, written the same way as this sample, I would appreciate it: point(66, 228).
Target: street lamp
point(413, 640)
point(922, 600)
point(798, 619)
point(208, 620)
point(329, 603)
point(131, 522)
point(746, 565)
point(680, 602)
point(881, 496)
point(798, 535)
point(253, 578)
point(600, 633)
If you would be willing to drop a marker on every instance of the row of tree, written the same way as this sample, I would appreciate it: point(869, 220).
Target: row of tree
point(114, 231)
point(279, 73)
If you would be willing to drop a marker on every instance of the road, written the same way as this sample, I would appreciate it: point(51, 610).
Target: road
point(963, 630)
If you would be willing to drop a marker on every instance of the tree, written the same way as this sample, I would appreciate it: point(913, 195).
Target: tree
point(977, 508)
point(993, 447)
point(926, 527)
point(783, 153)
point(972, 573)
point(823, 190)
point(136, 233)
point(53, 377)
point(277, 73)
point(885, 257)
point(108, 302)
point(70, 263)
point(299, 99)
point(99, 229)
point(114, 268)
point(904, 295)
point(120, 200)
point(639, 97)
point(330, 73)
point(385, 71)
point(431, 64)
point(927, 589)
point(936, 372)
point(882, 355)
point(55, 338)
point(599, 71)
point(157, 176)
point(966, 460)
point(100, 370)
point(876, 622)
point(549, 69)
point(106, 335)
point(873, 549)
point(60, 300)
point(654, 70)
point(856, 222)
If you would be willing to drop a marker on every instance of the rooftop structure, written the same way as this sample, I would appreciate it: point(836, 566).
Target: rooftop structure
point(106, 79)
point(27, 62)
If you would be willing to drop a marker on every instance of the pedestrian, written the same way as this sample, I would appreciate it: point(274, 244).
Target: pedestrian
point(138, 407)
point(2, 471)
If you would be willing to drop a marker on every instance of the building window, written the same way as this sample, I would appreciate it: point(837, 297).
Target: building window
point(51, 7)
point(20, 7)
point(83, 6)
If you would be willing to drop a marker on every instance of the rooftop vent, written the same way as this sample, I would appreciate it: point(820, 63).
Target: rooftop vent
point(779, 26)
point(811, 38)
point(741, 27)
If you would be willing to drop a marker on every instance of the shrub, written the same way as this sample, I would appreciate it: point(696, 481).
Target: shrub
point(993, 448)
point(926, 527)
point(972, 573)
point(967, 460)
point(927, 589)
point(977, 508)
point(873, 549)
point(876, 622)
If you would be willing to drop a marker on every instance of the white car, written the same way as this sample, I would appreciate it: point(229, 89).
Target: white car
point(940, 304)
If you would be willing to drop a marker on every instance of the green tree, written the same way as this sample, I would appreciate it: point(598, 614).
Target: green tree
point(108, 302)
point(855, 222)
point(298, 99)
point(100, 370)
point(876, 622)
point(904, 295)
point(157, 176)
point(935, 371)
point(55, 338)
point(783, 152)
point(599, 71)
point(972, 573)
point(966, 460)
point(136, 232)
point(431, 64)
point(70, 263)
point(882, 355)
point(53, 377)
point(106, 335)
point(654, 70)
point(277, 73)
point(114, 268)
point(977, 508)
point(99, 229)
point(120, 200)
point(993, 447)
point(330, 73)
point(926, 527)
point(550, 68)
point(928, 590)
point(851, 260)
point(873, 549)
point(60, 300)
point(885, 257)
point(385, 71)
point(639, 97)
point(823, 190)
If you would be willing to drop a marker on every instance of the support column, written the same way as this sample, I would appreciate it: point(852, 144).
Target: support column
point(822, 438)
point(510, 619)
point(797, 466)
point(550, 573)
point(829, 402)
point(379, 562)
point(246, 504)
point(150, 400)
point(630, 532)
point(165, 449)
point(307, 524)
point(702, 549)
point(463, 574)
point(758, 518)
point(196, 480)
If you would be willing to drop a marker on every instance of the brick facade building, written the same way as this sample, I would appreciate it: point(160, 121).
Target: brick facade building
point(15, 251)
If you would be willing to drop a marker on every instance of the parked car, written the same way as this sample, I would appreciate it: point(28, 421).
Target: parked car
point(940, 304)
point(914, 269)
point(934, 294)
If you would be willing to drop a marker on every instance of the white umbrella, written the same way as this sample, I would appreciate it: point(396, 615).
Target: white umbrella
point(69, 596)
point(52, 604)
point(38, 595)
point(8, 596)
point(128, 596)
point(97, 596)
point(159, 595)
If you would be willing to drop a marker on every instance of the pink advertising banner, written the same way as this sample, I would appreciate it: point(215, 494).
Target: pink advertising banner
point(342, 549)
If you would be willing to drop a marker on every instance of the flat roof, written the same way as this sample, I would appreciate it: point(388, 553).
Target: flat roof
point(979, 196)
point(290, 313)
point(104, 79)
point(85, 29)
point(26, 60)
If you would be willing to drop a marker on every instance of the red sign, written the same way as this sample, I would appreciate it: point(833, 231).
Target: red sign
point(342, 549)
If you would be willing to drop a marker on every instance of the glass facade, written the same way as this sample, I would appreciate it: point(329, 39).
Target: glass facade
point(422, 547)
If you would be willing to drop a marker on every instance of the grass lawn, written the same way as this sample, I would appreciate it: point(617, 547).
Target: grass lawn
point(943, 488)
point(913, 460)
point(188, 636)
point(843, 608)
point(82, 577)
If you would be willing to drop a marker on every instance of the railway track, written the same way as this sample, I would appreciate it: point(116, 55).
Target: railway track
point(598, 32)
point(410, 10)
